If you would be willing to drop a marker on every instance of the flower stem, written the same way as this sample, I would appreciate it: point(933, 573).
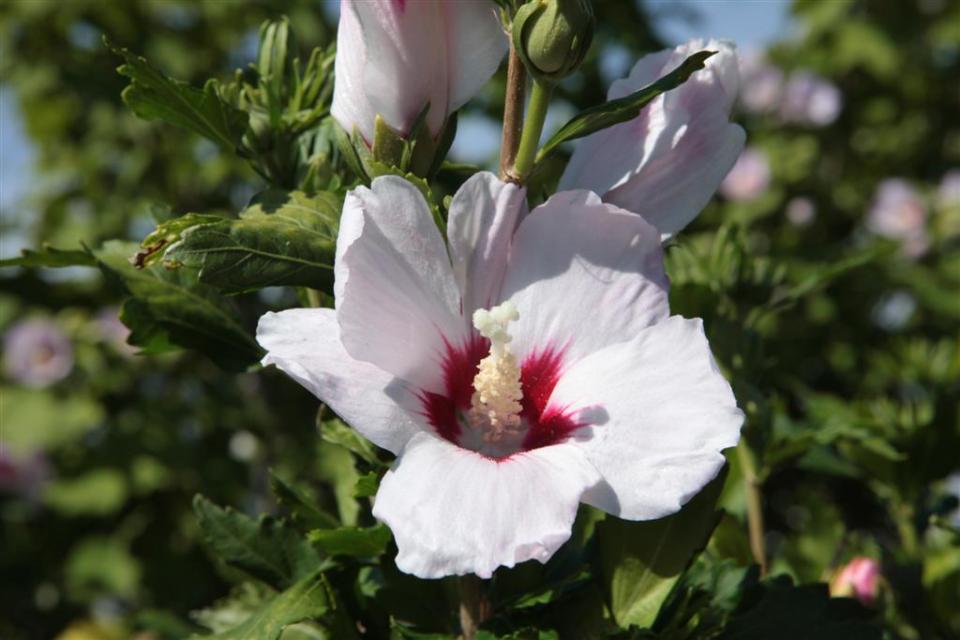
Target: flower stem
point(532, 127)
point(754, 505)
point(315, 298)
point(512, 112)
point(474, 605)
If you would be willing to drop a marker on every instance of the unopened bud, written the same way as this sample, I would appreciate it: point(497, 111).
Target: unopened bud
point(552, 37)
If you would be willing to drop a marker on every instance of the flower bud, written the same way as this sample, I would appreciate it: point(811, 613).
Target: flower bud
point(552, 37)
point(859, 579)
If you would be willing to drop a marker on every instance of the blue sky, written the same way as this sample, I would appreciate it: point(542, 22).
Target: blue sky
point(750, 23)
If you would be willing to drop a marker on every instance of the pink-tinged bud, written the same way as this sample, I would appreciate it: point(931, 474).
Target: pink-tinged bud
point(394, 58)
point(859, 578)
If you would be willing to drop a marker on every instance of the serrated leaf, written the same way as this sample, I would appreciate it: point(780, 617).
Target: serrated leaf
point(285, 238)
point(51, 257)
point(308, 599)
point(303, 509)
point(169, 307)
point(642, 561)
point(267, 549)
point(351, 541)
point(623, 109)
point(153, 96)
point(167, 233)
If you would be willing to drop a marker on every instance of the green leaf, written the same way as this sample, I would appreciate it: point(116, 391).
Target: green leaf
point(99, 566)
point(367, 485)
point(169, 307)
point(167, 233)
point(51, 257)
point(308, 599)
point(641, 561)
point(302, 508)
point(284, 238)
point(267, 549)
point(153, 96)
point(336, 432)
point(625, 108)
point(351, 541)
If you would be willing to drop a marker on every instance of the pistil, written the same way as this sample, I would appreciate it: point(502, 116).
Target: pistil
point(495, 405)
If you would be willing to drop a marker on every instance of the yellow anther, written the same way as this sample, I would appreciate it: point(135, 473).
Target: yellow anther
point(495, 405)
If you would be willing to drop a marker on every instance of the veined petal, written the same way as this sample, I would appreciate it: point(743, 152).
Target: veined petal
point(661, 413)
point(666, 163)
point(483, 217)
point(397, 300)
point(305, 344)
point(583, 275)
point(453, 511)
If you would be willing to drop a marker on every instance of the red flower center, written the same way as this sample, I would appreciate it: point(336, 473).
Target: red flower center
point(539, 373)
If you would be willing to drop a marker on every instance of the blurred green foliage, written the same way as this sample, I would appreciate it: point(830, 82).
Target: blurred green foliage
point(843, 349)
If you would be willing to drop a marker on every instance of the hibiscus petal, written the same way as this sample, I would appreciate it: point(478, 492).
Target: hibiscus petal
point(305, 344)
point(453, 511)
point(483, 216)
point(661, 413)
point(351, 107)
point(667, 163)
point(397, 300)
point(478, 44)
point(583, 275)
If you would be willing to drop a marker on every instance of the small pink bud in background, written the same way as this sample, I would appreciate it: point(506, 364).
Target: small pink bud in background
point(748, 178)
point(801, 211)
point(859, 578)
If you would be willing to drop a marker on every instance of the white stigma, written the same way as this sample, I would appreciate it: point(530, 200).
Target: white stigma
point(495, 405)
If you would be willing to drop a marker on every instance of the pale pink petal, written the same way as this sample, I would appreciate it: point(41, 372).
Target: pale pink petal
point(483, 217)
point(666, 163)
point(453, 511)
point(477, 43)
point(305, 344)
point(422, 52)
point(351, 107)
point(397, 298)
point(583, 275)
point(661, 412)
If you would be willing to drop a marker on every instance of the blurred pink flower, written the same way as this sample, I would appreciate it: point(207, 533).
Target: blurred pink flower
point(859, 578)
point(898, 213)
point(810, 99)
point(801, 211)
point(748, 178)
point(36, 353)
point(948, 193)
point(24, 476)
point(761, 84)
